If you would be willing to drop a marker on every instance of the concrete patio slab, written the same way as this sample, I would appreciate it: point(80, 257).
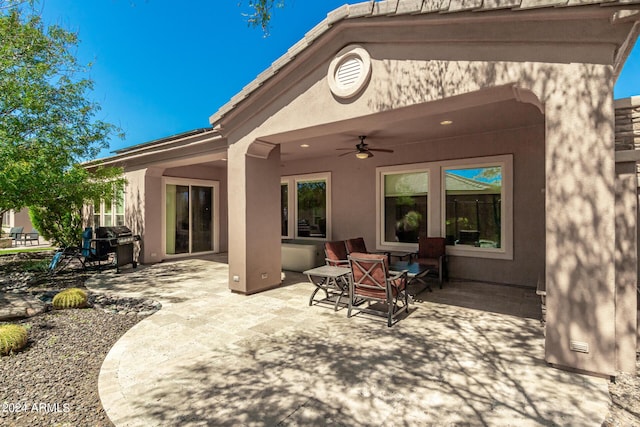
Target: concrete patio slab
point(211, 357)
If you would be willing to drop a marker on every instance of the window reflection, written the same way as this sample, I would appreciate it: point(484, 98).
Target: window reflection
point(473, 206)
point(284, 209)
point(312, 208)
point(405, 206)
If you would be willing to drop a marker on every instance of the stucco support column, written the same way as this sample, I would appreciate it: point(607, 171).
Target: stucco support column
point(144, 189)
point(580, 223)
point(626, 266)
point(255, 262)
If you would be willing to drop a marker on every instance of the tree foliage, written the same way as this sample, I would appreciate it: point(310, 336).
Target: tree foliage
point(47, 124)
point(261, 15)
point(60, 219)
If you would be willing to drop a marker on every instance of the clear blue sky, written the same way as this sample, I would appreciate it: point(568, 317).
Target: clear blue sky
point(163, 67)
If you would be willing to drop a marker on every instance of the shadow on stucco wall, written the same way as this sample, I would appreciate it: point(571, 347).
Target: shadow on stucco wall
point(580, 178)
point(135, 221)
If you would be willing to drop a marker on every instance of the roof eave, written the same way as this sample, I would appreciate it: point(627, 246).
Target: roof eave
point(168, 146)
point(466, 9)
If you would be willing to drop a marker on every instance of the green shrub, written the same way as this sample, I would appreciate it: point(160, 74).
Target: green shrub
point(40, 265)
point(70, 298)
point(12, 338)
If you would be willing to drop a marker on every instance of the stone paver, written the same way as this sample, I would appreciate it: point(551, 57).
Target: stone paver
point(15, 306)
point(212, 357)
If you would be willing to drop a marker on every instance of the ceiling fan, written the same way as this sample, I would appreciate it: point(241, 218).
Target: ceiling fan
point(362, 150)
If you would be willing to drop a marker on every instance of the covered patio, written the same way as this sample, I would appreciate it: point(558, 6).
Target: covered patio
point(522, 97)
point(211, 357)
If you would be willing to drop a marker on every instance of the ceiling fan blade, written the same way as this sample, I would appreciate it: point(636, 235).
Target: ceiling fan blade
point(350, 152)
point(382, 150)
point(341, 149)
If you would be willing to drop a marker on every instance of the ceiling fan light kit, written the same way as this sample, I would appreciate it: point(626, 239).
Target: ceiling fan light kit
point(363, 151)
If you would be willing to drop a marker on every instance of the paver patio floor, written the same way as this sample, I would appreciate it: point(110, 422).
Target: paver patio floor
point(212, 357)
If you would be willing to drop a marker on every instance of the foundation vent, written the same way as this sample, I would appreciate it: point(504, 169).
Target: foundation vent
point(579, 346)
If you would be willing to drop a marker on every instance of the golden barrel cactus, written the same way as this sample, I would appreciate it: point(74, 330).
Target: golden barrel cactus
point(12, 338)
point(70, 298)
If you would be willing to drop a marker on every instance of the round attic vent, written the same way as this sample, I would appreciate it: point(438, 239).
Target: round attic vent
point(349, 72)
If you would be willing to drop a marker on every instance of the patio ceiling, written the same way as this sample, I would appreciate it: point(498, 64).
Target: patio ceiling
point(390, 130)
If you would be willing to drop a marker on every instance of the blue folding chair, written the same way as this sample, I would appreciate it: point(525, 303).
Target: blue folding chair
point(89, 255)
point(93, 252)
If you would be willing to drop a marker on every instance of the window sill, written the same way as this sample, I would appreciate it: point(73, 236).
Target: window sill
point(473, 252)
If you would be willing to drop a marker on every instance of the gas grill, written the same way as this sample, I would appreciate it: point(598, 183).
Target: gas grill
point(119, 241)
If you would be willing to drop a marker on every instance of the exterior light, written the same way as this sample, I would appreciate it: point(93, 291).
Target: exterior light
point(362, 155)
point(304, 145)
point(446, 122)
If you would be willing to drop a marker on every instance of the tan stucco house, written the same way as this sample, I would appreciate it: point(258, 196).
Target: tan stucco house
point(512, 98)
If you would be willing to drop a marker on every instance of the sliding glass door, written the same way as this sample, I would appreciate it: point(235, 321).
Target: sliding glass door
point(201, 219)
point(189, 218)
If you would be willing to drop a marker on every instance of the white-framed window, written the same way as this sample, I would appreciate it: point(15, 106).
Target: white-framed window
point(467, 201)
point(403, 205)
point(305, 206)
point(107, 214)
point(190, 216)
point(285, 203)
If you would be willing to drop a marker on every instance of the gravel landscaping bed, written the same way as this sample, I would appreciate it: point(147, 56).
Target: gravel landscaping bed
point(54, 380)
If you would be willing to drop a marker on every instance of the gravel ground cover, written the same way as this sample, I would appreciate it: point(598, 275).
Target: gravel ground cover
point(54, 381)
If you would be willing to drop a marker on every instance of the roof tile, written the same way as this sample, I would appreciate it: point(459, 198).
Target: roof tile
point(281, 62)
point(338, 14)
point(385, 7)
point(499, 4)
point(460, 5)
point(298, 47)
point(236, 99)
point(361, 9)
point(317, 31)
point(251, 86)
point(581, 2)
point(534, 4)
point(266, 74)
point(409, 6)
point(430, 6)
point(222, 111)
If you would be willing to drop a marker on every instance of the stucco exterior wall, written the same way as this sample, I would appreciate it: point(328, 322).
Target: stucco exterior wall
point(22, 219)
point(579, 169)
point(135, 208)
point(626, 265)
point(144, 190)
point(211, 173)
point(354, 196)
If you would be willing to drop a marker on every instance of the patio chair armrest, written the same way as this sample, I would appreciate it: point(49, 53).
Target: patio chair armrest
point(395, 275)
point(337, 263)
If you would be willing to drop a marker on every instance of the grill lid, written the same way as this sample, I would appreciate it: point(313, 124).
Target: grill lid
point(113, 232)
